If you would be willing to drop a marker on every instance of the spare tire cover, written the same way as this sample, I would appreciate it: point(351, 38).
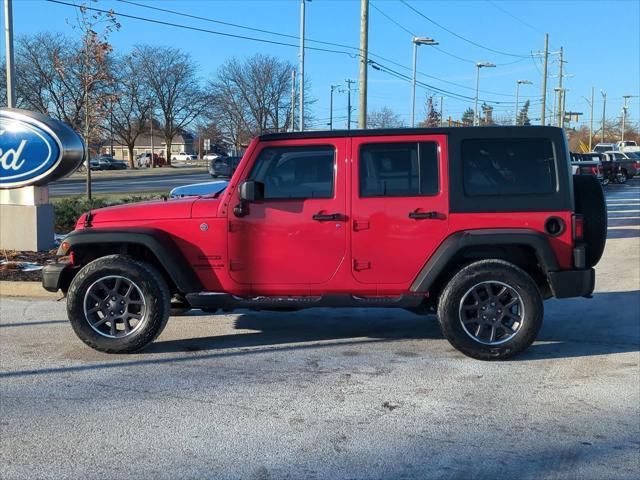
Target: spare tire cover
point(591, 204)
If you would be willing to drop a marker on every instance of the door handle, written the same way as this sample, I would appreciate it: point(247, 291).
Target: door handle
point(422, 215)
point(327, 217)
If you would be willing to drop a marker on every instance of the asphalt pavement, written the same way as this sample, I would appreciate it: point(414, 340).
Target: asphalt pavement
point(332, 393)
point(129, 183)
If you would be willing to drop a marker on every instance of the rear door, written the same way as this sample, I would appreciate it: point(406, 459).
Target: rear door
point(400, 206)
point(296, 236)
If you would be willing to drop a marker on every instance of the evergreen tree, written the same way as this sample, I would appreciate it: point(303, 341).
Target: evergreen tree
point(467, 116)
point(523, 114)
point(433, 116)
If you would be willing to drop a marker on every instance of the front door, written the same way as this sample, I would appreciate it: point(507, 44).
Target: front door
point(296, 236)
point(400, 206)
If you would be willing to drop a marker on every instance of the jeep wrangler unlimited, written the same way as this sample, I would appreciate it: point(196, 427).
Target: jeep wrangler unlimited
point(478, 225)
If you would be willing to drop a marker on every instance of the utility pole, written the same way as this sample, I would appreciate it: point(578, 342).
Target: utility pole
point(153, 161)
point(8, 38)
point(349, 82)
point(624, 113)
point(544, 80)
point(591, 121)
point(333, 87)
point(364, 55)
point(302, 25)
point(604, 109)
point(560, 91)
point(563, 109)
point(293, 100)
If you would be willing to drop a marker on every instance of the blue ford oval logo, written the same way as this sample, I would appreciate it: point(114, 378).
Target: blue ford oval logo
point(35, 149)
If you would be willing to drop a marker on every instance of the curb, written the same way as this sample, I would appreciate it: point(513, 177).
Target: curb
point(26, 289)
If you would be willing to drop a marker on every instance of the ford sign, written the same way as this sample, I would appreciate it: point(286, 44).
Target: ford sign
point(36, 149)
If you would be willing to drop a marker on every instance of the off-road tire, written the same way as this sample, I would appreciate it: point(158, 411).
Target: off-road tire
point(153, 287)
point(591, 204)
point(494, 271)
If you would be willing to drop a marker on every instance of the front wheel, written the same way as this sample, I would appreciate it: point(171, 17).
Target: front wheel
point(491, 310)
point(117, 304)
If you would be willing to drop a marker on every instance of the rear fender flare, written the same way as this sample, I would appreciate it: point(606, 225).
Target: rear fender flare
point(453, 244)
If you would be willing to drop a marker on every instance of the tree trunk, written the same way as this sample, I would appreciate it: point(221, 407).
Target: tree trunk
point(130, 148)
point(167, 141)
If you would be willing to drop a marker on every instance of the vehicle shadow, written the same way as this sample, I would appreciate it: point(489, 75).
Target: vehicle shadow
point(572, 328)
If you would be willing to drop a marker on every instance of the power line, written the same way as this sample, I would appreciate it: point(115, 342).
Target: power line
point(198, 29)
point(460, 36)
point(514, 17)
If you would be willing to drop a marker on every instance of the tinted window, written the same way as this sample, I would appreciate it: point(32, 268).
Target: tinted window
point(508, 166)
point(398, 169)
point(295, 172)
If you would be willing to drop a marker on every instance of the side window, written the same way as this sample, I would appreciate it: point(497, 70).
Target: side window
point(295, 172)
point(398, 169)
point(521, 166)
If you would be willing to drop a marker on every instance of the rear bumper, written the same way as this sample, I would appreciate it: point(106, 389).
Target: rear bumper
point(572, 283)
point(56, 276)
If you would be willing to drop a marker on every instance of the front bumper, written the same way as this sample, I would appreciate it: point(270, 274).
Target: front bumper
point(57, 276)
point(572, 283)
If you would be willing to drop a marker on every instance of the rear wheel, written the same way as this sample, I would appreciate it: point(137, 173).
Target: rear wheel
point(117, 304)
point(491, 310)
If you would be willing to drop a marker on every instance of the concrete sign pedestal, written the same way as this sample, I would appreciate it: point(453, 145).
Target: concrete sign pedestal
point(26, 219)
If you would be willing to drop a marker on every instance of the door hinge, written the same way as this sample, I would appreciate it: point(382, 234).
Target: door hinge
point(358, 265)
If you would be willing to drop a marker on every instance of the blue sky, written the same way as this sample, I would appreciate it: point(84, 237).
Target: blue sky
point(601, 40)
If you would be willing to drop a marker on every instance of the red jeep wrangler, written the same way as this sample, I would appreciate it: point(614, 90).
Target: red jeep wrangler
point(477, 224)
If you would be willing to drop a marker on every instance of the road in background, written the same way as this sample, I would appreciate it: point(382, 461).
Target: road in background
point(332, 393)
point(130, 182)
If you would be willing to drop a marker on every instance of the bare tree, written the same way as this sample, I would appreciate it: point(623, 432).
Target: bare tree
point(384, 118)
point(130, 104)
point(251, 97)
point(433, 116)
point(170, 77)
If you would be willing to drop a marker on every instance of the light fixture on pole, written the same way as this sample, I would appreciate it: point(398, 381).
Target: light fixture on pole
point(624, 114)
point(518, 83)
point(417, 41)
point(479, 65)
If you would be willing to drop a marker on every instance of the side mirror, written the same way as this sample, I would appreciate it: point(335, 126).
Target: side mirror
point(251, 191)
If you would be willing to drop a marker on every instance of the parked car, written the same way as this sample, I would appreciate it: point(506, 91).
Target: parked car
point(212, 156)
point(605, 147)
point(223, 166)
point(627, 165)
point(107, 162)
point(587, 165)
point(199, 189)
point(144, 160)
point(627, 146)
point(477, 224)
point(183, 157)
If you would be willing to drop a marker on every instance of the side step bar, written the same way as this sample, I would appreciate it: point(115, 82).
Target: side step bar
point(227, 301)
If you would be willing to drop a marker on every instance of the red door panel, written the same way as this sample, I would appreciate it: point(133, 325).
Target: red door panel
point(388, 246)
point(279, 242)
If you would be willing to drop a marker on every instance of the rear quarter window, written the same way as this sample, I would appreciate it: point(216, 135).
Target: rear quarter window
point(520, 166)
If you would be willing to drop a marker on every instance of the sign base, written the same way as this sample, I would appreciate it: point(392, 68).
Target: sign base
point(26, 219)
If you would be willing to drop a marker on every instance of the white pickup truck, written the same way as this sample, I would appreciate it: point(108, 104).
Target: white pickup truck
point(628, 146)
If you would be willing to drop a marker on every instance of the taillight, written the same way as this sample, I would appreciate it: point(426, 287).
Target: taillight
point(578, 227)
point(594, 170)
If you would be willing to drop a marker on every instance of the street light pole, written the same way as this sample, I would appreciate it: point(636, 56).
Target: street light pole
point(333, 87)
point(10, 67)
point(364, 64)
point(417, 41)
point(590, 118)
point(604, 109)
point(479, 65)
point(302, 26)
point(518, 83)
point(624, 114)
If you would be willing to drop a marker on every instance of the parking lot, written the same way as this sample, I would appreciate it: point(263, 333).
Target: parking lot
point(333, 393)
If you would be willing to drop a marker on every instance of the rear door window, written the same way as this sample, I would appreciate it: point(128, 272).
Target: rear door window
point(398, 169)
point(524, 166)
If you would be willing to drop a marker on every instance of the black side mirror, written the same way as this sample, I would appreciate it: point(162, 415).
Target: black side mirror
point(251, 191)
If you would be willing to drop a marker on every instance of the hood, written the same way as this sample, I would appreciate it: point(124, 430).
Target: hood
point(154, 210)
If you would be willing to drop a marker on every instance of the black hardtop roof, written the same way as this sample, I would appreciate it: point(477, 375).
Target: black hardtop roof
point(493, 131)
